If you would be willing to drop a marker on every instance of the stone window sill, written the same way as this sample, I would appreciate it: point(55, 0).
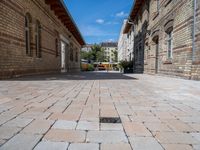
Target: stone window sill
point(168, 62)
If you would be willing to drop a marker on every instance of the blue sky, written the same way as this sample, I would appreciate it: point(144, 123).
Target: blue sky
point(99, 20)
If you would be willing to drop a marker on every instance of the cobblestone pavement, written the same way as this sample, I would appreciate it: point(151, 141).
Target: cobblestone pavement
point(63, 112)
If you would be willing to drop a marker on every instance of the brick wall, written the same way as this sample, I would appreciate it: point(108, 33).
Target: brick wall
point(179, 14)
point(13, 58)
point(196, 63)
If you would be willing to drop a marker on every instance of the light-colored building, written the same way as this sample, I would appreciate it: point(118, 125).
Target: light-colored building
point(87, 48)
point(126, 43)
point(111, 50)
point(122, 43)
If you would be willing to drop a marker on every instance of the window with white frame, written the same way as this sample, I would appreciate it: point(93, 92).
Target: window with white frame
point(169, 44)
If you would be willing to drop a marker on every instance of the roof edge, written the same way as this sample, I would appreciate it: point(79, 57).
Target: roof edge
point(65, 7)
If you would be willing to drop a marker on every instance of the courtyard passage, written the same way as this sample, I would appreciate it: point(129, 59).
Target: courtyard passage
point(99, 111)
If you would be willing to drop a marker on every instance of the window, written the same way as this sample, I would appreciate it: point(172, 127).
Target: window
point(38, 40)
point(76, 56)
point(56, 44)
point(71, 54)
point(170, 44)
point(28, 34)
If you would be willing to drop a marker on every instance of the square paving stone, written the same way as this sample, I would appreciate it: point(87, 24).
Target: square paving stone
point(21, 142)
point(61, 135)
point(63, 124)
point(83, 146)
point(87, 125)
point(145, 143)
point(48, 145)
point(106, 137)
point(120, 146)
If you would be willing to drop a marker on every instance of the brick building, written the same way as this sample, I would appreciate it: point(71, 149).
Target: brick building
point(37, 36)
point(166, 37)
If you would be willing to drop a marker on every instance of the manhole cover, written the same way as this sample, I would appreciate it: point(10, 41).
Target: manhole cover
point(110, 120)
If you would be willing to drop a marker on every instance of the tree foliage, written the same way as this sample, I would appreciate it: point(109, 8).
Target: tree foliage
point(96, 54)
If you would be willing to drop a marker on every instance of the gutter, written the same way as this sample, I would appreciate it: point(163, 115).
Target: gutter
point(194, 30)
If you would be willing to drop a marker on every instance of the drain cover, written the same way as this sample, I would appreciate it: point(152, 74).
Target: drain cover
point(110, 120)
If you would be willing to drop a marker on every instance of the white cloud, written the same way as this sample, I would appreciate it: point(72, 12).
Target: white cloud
point(100, 21)
point(121, 14)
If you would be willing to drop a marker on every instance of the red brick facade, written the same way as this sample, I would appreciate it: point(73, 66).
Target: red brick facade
point(14, 60)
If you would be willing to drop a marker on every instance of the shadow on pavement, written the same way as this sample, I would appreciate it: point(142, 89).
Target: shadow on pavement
point(76, 76)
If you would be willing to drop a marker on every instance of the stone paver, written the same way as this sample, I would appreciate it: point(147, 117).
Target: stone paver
point(21, 142)
point(38, 127)
point(62, 111)
point(145, 143)
point(121, 146)
point(7, 132)
point(177, 147)
point(59, 135)
point(48, 145)
point(106, 137)
point(83, 146)
point(111, 126)
point(19, 122)
point(87, 125)
point(63, 124)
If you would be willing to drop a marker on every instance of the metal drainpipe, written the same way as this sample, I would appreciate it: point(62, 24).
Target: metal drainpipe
point(194, 30)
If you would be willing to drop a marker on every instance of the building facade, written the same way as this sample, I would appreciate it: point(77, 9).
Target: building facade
point(37, 37)
point(126, 44)
point(87, 47)
point(110, 51)
point(166, 37)
point(122, 44)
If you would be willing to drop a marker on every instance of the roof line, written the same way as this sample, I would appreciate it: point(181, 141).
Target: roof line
point(62, 2)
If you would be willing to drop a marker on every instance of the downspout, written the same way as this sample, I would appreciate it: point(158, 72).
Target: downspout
point(194, 30)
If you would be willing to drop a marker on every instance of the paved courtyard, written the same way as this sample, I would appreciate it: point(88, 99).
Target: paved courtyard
point(62, 112)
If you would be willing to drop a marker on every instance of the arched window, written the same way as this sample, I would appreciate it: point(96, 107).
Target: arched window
point(28, 34)
point(38, 39)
